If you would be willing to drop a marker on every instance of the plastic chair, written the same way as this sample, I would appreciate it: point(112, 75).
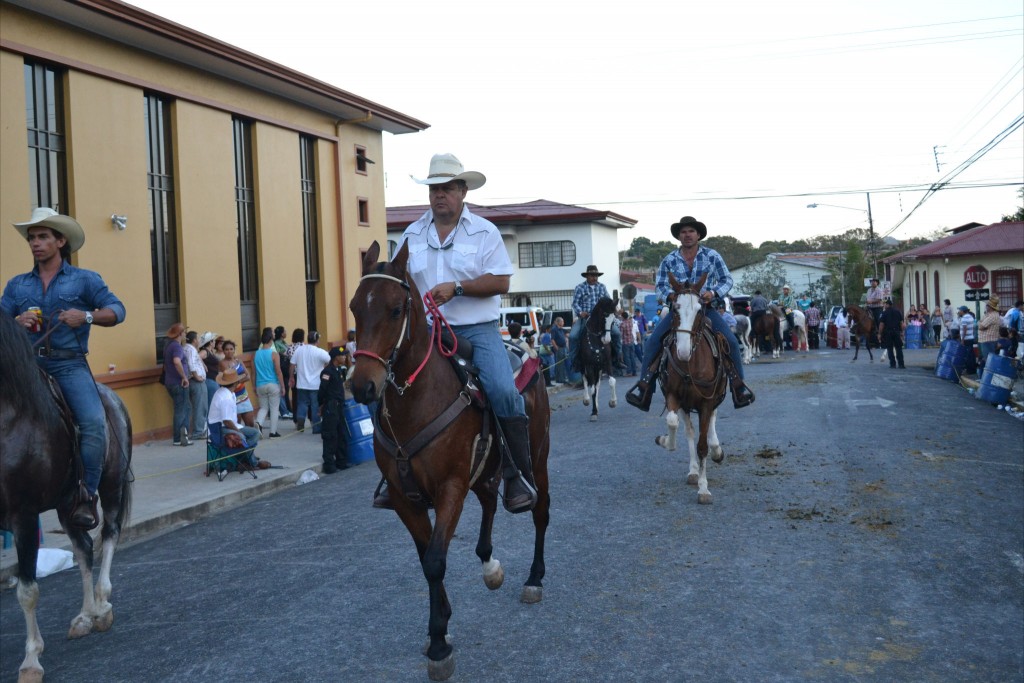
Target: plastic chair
point(222, 460)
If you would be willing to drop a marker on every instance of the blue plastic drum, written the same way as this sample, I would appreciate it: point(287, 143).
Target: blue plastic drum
point(360, 432)
point(913, 336)
point(997, 380)
point(952, 360)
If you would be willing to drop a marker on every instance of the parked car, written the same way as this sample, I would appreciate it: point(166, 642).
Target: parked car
point(530, 317)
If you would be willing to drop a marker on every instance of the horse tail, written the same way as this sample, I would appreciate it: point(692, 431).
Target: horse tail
point(119, 450)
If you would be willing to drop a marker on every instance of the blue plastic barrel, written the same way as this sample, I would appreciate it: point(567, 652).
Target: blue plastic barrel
point(360, 432)
point(997, 380)
point(913, 336)
point(952, 360)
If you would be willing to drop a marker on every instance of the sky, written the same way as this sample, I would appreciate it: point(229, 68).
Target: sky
point(737, 112)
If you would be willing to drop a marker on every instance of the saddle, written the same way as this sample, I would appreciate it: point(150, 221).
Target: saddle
point(525, 373)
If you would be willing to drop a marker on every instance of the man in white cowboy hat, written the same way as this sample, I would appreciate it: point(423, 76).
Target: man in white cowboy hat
point(688, 264)
point(788, 303)
point(874, 303)
point(71, 300)
point(461, 260)
point(584, 298)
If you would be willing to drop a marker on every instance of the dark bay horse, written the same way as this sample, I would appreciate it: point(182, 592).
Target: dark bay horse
point(38, 472)
point(694, 380)
point(862, 326)
point(596, 354)
point(399, 365)
point(765, 332)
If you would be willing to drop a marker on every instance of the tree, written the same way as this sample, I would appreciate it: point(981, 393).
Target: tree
point(734, 252)
point(846, 275)
point(1019, 216)
point(767, 277)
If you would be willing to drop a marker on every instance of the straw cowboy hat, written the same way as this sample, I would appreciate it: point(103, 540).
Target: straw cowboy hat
point(174, 331)
point(445, 168)
point(689, 222)
point(45, 217)
point(207, 337)
point(993, 302)
point(227, 378)
point(591, 270)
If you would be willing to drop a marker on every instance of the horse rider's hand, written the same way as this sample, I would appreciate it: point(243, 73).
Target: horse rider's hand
point(73, 318)
point(26, 319)
point(443, 293)
point(706, 296)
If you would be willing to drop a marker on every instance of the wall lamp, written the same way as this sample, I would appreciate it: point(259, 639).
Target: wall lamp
point(119, 222)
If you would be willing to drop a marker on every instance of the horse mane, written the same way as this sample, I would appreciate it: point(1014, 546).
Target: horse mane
point(600, 311)
point(21, 383)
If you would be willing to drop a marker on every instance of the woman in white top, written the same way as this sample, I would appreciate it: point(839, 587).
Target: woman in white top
point(842, 330)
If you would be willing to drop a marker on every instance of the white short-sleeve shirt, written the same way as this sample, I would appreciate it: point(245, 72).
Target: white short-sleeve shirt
point(473, 248)
point(223, 407)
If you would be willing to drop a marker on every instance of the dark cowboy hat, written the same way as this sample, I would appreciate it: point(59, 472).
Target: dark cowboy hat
point(689, 222)
point(591, 270)
point(174, 331)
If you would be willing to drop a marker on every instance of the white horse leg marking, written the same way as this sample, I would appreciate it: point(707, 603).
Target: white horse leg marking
point(104, 610)
point(691, 441)
point(494, 575)
point(714, 445)
point(81, 625)
point(28, 598)
point(595, 399)
point(668, 441)
point(586, 391)
point(614, 401)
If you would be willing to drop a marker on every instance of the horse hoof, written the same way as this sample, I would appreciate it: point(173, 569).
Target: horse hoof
point(103, 622)
point(531, 595)
point(718, 456)
point(593, 418)
point(30, 676)
point(691, 479)
point(586, 401)
point(704, 498)
point(426, 646)
point(81, 626)
point(495, 578)
point(442, 670)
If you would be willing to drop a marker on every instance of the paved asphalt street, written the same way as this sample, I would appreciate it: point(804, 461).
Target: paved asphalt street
point(867, 525)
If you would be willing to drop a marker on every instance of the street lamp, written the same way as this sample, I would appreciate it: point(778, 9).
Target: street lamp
point(871, 227)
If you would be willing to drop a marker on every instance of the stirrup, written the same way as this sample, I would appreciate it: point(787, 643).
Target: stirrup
point(382, 497)
point(519, 500)
point(640, 396)
point(742, 396)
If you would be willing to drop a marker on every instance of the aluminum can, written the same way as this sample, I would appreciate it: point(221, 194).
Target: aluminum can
point(37, 324)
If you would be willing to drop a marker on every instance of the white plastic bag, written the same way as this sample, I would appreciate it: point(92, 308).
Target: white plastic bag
point(307, 476)
point(53, 560)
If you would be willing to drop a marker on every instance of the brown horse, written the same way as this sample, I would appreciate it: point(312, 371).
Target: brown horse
point(416, 387)
point(766, 332)
point(38, 472)
point(862, 326)
point(694, 379)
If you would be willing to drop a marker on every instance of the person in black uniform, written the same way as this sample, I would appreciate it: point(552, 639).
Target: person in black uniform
point(331, 398)
point(890, 328)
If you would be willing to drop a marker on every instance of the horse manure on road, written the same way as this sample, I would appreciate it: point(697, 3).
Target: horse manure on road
point(768, 452)
point(808, 377)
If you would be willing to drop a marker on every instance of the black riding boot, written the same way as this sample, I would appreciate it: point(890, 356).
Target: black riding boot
point(520, 489)
point(84, 515)
point(381, 497)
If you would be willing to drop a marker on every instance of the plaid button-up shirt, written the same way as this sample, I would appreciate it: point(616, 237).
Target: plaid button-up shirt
point(586, 296)
point(707, 261)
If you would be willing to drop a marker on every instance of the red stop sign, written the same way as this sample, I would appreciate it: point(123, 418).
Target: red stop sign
point(976, 277)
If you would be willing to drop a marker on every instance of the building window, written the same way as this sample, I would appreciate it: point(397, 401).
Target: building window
point(245, 216)
point(163, 230)
point(311, 244)
point(917, 287)
point(1006, 284)
point(364, 211)
point(362, 161)
point(392, 248)
point(935, 288)
point(546, 254)
point(47, 164)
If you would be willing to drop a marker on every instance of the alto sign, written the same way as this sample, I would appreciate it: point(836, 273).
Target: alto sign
point(976, 277)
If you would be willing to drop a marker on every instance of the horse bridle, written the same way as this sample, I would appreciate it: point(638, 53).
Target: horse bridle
point(403, 334)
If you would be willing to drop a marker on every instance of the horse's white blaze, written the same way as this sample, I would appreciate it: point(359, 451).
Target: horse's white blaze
point(686, 306)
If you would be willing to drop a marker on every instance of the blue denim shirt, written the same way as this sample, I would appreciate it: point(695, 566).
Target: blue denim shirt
point(70, 288)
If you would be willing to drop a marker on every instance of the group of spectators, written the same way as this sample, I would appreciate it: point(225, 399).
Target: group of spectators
point(292, 381)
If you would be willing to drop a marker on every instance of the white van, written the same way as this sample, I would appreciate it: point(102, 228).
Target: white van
point(530, 317)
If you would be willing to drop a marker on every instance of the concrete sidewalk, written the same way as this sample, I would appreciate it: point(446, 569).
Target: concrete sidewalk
point(171, 490)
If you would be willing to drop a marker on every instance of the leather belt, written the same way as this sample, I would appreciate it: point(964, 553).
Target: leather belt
point(58, 354)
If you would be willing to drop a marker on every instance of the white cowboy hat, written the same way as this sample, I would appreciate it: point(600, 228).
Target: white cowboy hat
point(206, 338)
point(445, 168)
point(46, 217)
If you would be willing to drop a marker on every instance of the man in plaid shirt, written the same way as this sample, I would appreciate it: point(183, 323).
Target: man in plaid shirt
point(813, 316)
point(688, 264)
point(584, 298)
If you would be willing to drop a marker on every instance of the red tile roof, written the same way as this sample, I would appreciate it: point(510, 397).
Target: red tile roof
point(986, 239)
point(535, 212)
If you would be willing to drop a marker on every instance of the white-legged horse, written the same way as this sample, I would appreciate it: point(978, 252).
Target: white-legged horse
point(800, 323)
point(743, 337)
point(596, 354)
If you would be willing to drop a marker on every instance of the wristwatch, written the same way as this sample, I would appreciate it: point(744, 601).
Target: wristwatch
point(458, 288)
point(88, 318)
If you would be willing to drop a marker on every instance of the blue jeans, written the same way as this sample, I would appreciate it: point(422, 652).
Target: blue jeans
point(182, 409)
point(211, 389)
point(306, 405)
point(561, 376)
point(79, 389)
point(491, 359)
point(200, 405)
point(629, 356)
point(653, 345)
point(985, 348)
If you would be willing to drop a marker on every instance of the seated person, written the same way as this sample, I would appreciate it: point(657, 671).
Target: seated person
point(223, 417)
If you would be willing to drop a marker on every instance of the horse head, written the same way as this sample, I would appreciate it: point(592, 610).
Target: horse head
point(385, 317)
point(686, 307)
point(602, 317)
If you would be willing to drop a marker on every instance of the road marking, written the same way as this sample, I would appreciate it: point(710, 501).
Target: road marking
point(853, 403)
point(1016, 560)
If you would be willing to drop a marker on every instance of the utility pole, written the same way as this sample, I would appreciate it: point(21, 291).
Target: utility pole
point(871, 239)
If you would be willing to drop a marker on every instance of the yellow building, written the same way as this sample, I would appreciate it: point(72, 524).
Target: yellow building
point(215, 187)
